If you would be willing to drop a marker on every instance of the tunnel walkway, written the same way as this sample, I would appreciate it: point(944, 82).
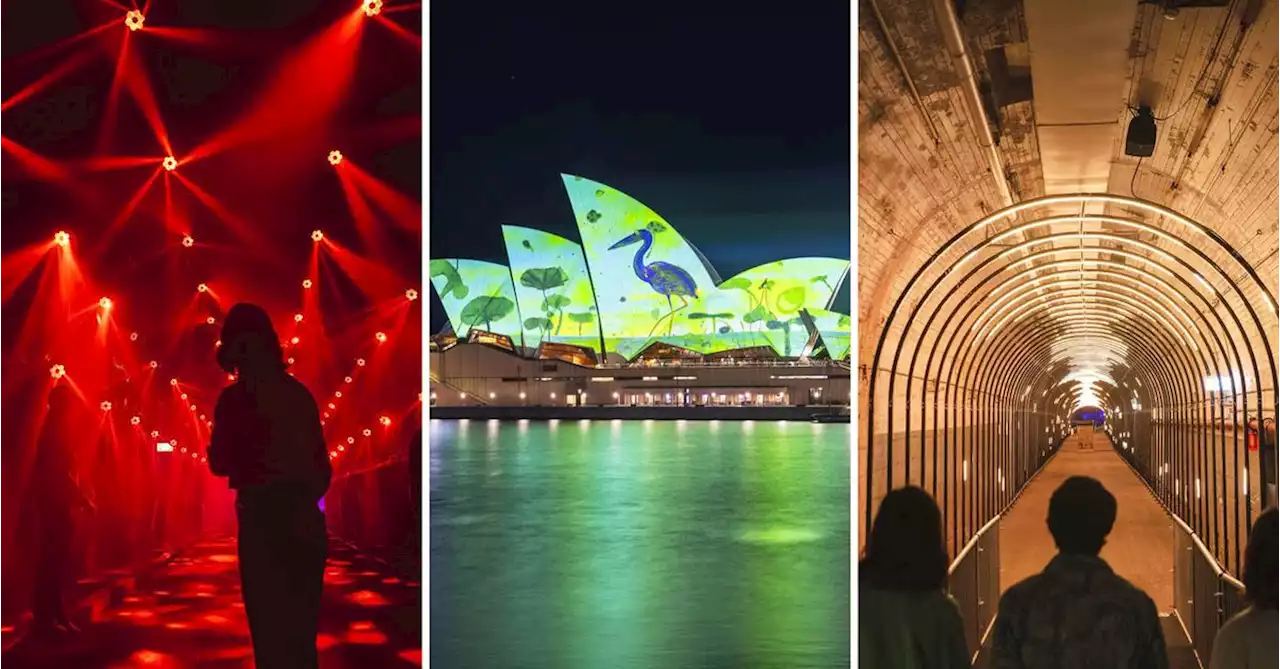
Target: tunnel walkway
point(1140, 547)
point(188, 613)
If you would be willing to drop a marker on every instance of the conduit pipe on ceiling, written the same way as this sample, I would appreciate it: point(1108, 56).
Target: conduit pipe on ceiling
point(954, 38)
point(906, 74)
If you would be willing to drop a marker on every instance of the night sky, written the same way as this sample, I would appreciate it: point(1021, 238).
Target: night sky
point(733, 128)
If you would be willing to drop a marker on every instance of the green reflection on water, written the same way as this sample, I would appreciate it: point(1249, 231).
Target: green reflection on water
point(581, 544)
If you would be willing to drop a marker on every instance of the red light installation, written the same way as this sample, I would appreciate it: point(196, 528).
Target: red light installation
point(128, 209)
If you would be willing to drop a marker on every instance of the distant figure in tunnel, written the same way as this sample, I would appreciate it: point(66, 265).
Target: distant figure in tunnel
point(1251, 639)
point(268, 442)
point(57, 496)
point(906, 619)
point(1077, 612)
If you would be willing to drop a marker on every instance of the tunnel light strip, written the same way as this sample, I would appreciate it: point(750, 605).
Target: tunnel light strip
point(1179, 330)
point(1058, 277)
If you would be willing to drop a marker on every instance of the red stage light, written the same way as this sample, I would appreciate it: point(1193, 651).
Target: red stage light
point(293, 341)
point(384, 420)
point(372, 7)
point(133, 336)
point(57, 371)
point(411, 294)
point(62, 239)
point(210, 320)
point(134, 19)
point(135, 420)
point(183, 396)
point(316, 236)
point(306, 283)
point(341, 448)
point(105, 303)
point(351, 440)
point(154, 364)
point(155, 434)
point(106, 406)
point(188, 241)
point(367, 432)
point(333, 454)
point(380, 337)
point(338, 394)
point(335, 157)
point(173, 382)
point(331, 406)
point(347, 380)
point(297, 318)
point(290, 361)
point(360, 362)
point(170, 163)
point(202, 288)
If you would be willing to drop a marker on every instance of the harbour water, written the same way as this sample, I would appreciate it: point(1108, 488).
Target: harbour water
point(637, 544)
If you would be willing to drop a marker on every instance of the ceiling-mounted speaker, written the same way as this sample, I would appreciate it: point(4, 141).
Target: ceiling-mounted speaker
point(1140, 140)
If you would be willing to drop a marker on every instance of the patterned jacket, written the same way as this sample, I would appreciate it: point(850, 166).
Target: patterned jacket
point(1077, 614)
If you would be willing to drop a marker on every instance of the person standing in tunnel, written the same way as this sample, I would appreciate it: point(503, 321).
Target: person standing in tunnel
point(267, 440)
point(1250, 640)
point(58, 495)
point(1078, 612)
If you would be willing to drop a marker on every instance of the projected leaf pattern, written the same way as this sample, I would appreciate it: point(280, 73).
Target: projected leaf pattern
point(477, 294)
point(635, 281)
point(550, 270)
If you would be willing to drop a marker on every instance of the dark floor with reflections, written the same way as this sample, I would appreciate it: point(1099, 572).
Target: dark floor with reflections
point(188, 613)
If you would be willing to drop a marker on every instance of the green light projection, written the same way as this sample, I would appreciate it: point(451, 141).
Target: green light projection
point(635, 281)
point(836, 330)
point(652, 285)
point(477, 294)
point(552, 288)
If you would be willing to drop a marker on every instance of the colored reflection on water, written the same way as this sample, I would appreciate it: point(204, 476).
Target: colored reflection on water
point(586, 544)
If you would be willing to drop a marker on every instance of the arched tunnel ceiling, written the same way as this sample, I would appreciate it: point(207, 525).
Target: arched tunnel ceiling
point(1101, 285)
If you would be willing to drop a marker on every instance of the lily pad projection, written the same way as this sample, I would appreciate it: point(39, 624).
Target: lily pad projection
point(635, 280)
point(550, 271)
point(477, 294)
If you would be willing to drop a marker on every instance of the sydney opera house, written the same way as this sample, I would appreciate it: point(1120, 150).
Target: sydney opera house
point(635, 316)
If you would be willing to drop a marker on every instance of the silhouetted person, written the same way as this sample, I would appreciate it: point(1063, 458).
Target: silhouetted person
point(268, 442)
point(57, 496)
point(1250, 639)
point(906, 619)
point(1077, 612)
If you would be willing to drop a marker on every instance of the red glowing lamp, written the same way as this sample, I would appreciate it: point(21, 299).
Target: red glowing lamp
point(338, 394)
point(367, 432)
point(154, 364)
point(135, 420)
point(381, 337)
point(351, 440)
point(294, 341)
point(202, 288)
point(105, 303)
point(316, 235)
point(346, 379)
point(360, 362)
point(188, 241)
point(62, 238)
point(411, 294)
point(386, 422)
point(105, 406)
point(133, 336)
point(170, 163)
point(134, 19)
point(335, 157)
point(210, 320)
point(57, 371)
point(173, 382)
point(306, 283)
point(372, 7)
point(297, 318)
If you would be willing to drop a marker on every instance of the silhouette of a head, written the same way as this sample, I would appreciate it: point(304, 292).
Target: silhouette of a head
point(905, 550)
point(1081, 515)
point(1260, 561)
point(249, 342)
point(62, 399)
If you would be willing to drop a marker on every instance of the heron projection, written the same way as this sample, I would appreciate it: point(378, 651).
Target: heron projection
point(664, 278)
point(667, 293)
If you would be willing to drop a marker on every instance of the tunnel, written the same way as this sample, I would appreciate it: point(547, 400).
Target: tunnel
point(1040, 299)
point(978, 377)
